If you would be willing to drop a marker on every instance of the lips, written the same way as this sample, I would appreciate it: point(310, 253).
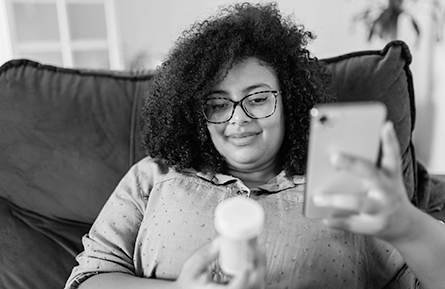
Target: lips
point(242, 139)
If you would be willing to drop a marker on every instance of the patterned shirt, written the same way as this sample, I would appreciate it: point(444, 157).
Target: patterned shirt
point(157, 217)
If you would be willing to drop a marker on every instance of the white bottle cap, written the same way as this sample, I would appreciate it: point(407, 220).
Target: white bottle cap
point(239, 218)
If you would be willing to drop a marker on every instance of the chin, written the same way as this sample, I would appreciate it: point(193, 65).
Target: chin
point(245, 161)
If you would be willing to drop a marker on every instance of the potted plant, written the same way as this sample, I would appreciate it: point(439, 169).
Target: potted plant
point(382, 17)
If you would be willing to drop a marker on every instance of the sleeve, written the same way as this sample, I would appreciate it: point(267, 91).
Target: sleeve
point(405, 279)
point(109, 245)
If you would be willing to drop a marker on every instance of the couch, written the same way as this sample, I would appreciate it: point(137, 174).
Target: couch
point(67, 136)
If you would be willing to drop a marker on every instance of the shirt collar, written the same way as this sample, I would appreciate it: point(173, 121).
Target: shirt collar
point(276, 184)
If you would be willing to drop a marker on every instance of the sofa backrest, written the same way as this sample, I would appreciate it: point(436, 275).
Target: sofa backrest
point(67, 136)
point(382, 75)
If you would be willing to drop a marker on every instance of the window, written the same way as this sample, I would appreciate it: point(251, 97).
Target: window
point(69, 33)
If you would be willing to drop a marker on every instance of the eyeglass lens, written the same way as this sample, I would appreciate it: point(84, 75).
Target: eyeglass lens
point(257, 105)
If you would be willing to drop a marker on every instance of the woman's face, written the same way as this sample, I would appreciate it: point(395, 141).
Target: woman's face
point(248, 144)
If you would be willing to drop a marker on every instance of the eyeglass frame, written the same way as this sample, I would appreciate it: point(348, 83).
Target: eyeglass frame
point(275, 93)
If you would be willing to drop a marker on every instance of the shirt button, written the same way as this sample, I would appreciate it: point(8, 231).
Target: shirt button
point(242, 193)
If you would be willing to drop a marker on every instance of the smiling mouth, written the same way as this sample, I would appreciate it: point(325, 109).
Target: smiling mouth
point(242, 139)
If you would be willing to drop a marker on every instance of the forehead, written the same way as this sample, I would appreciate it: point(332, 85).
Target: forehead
point(247, 75)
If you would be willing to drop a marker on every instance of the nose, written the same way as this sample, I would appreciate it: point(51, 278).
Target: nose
point(239, 116)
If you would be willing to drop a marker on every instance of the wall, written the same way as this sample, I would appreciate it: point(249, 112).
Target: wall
point(5, 43)
point(330, 20)
point(149, 28)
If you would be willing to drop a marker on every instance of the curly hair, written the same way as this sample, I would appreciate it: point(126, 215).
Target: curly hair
point(173, 126)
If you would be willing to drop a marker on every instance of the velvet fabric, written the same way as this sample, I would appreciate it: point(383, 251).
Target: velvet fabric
point(382, 75)
point(67, 136)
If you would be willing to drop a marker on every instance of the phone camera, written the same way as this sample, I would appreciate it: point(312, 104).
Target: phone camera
point(323, 119)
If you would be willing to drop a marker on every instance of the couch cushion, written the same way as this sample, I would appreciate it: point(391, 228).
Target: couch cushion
point(382, 75)
point(36, 258)
point(67, 136)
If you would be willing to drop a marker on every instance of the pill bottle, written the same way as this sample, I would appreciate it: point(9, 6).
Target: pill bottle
point(239, 221)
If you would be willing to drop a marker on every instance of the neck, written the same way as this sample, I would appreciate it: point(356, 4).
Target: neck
point(255, 177)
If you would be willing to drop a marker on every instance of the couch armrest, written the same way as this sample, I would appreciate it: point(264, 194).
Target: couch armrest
point(439, 177)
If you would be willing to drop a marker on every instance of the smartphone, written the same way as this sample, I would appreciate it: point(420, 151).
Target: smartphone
point(352, 128)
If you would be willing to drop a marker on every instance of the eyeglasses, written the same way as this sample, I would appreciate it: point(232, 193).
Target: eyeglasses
point(257, 105)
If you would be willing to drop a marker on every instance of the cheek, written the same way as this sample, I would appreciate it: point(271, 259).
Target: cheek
point(278, 132)
point(279, 125)
point(215, 132)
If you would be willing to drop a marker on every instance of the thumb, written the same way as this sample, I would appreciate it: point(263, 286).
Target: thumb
point(391, 149)
point(202, 258)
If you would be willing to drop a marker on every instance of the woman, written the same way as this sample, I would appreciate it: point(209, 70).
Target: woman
point(226, 115)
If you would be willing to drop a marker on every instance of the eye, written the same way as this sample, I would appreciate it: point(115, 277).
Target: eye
point(259, 98)
point(217, 104)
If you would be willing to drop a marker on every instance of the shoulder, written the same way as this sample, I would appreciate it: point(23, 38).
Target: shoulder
point(140, 179)
point(150, 165)
point(150, 171)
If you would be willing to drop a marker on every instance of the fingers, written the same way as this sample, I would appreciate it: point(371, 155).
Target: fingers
point(361, 215)
point(361, 224)
point(201, 259)
point(359, 167)
point(195, 272)
point(391, 149)
point(371, 213)
point(368, 170)
point(347, 204)
point(261, 263)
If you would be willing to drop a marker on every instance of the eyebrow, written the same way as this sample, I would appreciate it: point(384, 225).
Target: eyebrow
point(245, 90)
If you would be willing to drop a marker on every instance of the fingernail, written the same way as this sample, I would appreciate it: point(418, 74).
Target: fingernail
point(320, 201)
point(249, 268)
point(336, 159)
point(391, 128)
point(339, 160)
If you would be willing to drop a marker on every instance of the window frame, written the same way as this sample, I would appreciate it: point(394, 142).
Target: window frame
point(10, 47)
